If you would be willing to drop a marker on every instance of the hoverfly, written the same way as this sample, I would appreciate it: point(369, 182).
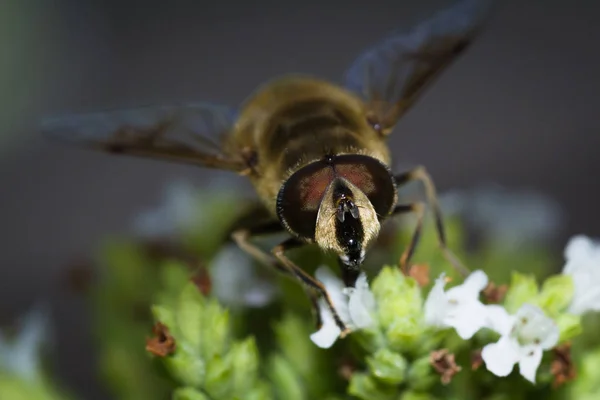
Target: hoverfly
point(314, 150)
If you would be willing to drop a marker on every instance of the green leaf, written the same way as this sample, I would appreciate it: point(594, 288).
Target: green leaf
point(234, 374)
point(244, 359)
point(215, 330)
point(523, 289)
point(261, 391)
point(411, 395)
point(366, 387)
point(388, 366)
point(293, 338)
point(312, 364)
point(186, 366)
point(556, 294)
point(165, 316)
point(188, 393)
point(286, 382)
point(218, 378)
point(190, 310)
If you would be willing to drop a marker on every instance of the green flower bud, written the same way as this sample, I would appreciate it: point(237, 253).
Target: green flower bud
point(569, 326)
point(399, 308)
point(420, 375)
point(387, 366)
point(523, 289)
point(556, 294)
point(366, 387)
point(188, 393)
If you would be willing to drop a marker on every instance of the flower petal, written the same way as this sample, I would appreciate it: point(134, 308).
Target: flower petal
point(361, 303)
point(335, 290)
point(326, 336)
point(501, 357)
point(585, 299)
point(579, 247)
point(470, 288)
point(530, 362)
point(436, 303)
point(467, 319)
point(498, 319)
point(583, 260)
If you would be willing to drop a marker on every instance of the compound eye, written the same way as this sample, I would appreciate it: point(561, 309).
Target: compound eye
point(370, 176)
point(300, 197)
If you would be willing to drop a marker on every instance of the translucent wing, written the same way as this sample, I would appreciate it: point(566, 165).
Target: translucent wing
point(391, 75)
point(192, 133)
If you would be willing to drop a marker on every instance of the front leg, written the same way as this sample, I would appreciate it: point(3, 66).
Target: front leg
point(306, 279)
point(421, 174)
point(278, 261)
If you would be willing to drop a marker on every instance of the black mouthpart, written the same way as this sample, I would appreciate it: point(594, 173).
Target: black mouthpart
point(346, 206)
point(350, 272)
point(349, 234)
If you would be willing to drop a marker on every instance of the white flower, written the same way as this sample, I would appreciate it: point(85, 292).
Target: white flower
point(353, 305)
point(459, 307)
point(20, 355)
point(582, 256)
point(235, 281)
point(523, 339)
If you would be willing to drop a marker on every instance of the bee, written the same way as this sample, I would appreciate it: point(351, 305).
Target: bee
point(315, 151)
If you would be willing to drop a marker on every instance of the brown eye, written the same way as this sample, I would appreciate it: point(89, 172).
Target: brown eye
point(372, 177)
point(300, 197)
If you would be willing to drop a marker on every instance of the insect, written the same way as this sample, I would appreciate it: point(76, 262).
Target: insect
point(315, 151)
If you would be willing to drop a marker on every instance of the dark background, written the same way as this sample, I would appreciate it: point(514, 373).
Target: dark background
point(521, 109)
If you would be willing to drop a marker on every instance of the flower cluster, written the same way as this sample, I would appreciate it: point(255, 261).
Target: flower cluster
point(215, 331)
point(530, 322)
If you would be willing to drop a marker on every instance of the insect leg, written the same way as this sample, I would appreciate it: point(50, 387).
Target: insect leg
point(419, 209)
point(421, 174)
point(243, 237)
point(306, 279)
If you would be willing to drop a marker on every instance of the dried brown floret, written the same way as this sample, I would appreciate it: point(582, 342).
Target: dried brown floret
point(494, 293)
point(420, 273)
point(476, 360)
point(444, 363)
point(562, 366)
point(162, 343)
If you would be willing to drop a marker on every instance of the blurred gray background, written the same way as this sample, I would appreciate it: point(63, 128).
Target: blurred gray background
point(520, 109)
